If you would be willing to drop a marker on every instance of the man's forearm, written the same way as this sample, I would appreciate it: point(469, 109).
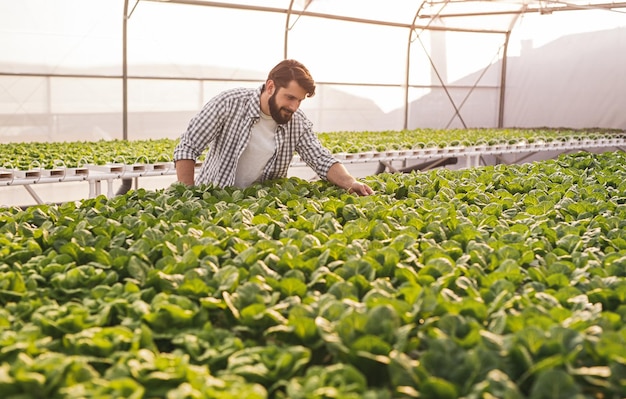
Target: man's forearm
point(185, 170)
point(339, 176)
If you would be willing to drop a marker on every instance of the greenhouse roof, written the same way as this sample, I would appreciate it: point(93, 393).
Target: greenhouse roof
point(496, 15)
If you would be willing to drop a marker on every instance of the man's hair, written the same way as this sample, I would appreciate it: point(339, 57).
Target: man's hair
point(288, 70)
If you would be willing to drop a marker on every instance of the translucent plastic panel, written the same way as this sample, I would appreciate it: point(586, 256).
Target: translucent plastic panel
point(213, 88)
point(85, 95)
point(349, 52)
point(279, 4)
point(577, 80)
point(23, 108)
point(195, 41)
point(23, 95)
point(455, 58)
point(469, 54)
point(536, 30)
point(474, 107)
point(59, 109)
point(397, 11)
point(86, 108)
point(353, 108)
point(60, 36)
point(151, 95)
point(476, 15)
point(385, 99)
point(163, 109)
point(434, 109)
point(422, 58)
point(507, 15)
point(485, 23)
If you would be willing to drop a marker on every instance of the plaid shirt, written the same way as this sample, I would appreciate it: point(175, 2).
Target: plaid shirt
point(224, 125)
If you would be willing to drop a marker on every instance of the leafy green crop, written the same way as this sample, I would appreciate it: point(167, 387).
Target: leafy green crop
point(355, 142)
point(37, 155)
point(27, 156)
point(498, 281)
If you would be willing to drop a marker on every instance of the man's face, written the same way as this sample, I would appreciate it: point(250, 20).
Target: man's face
point(285, 101)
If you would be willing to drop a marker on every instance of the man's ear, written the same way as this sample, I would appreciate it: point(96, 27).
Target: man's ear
point(270, 87)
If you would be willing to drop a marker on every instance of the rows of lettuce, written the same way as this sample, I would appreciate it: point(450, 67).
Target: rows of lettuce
point(51, 155)
point(499, 281)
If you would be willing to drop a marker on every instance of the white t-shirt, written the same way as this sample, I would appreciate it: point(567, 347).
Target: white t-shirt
point(260, 149)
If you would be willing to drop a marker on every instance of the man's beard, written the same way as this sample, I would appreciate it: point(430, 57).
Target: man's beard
point(280, 115)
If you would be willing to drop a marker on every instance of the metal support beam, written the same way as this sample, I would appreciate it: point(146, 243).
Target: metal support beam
point(33, 194)
point(125, 72)
point(503, 80)
point(287, 29)
point(543, 8)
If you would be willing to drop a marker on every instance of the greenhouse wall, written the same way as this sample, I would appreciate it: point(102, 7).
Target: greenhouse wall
point(61, 68)
point(578, 80)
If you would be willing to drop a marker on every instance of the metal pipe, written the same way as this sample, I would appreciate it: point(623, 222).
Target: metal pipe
point(286, 38)
point(126, 183)
point(125, 72)
point(408, 67)
point(503, 81)
point(527, 8)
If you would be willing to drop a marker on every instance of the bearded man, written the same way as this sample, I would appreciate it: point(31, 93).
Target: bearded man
point(252, 134)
